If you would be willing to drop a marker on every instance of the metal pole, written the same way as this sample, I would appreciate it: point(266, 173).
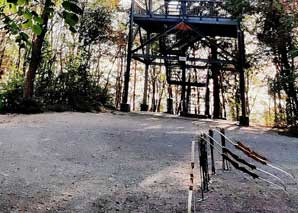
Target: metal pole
point(184, 109)
point(211, 150)
point(207, 96)
point(204, 163)
point(166, 2)
point(183, 8)
point(223, 144)
point(125, 107)
point(200, 140)
point(244, 120)
point(215, 74)
point(144, 106)
point(150, 7)
point(237, 158)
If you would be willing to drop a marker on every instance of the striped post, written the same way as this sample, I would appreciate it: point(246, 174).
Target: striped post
point(191, 186)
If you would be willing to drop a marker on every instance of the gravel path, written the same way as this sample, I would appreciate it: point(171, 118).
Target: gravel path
point(84, 162)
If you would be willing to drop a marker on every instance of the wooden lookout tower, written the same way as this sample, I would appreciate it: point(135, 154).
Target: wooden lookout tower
point(174, 34)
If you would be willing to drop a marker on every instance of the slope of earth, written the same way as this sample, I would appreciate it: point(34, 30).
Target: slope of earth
point(84, 162)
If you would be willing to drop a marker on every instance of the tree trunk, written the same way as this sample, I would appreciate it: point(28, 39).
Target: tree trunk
point(119, 82)
point(188, 97)
point(198, 108)
point(207, 96)
point(160, 95)
point(275, 109)
point(289, 87)
point(153, 102)
point(36, 56)
point(98, 71)
point(237, 98)
point(216, 90)
point(223, 95)
point(134, 87)
point(178, 102)
point(170, 100)
point(248, 107)
point(61, 55)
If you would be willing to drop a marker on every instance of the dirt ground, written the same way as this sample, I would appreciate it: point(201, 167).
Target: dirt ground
point(115, 162)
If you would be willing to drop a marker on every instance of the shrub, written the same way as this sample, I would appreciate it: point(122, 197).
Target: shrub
point(71, 90)
point(12, 101)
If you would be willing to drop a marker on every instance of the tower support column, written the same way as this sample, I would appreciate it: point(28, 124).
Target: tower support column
point(215, 77)
point(144, 105)
point(207, 96)
point(184, 107)
point(125, 107)
point(244, 119)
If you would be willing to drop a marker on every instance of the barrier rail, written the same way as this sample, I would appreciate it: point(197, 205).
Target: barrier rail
point(182, 8)
point(230, 158)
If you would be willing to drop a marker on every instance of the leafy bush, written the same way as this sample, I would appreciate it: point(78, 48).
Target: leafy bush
point(293, 130)
point(12, 101)
point(72, 90)
point(10, 95)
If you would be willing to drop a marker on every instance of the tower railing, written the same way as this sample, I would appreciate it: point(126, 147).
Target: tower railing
point(182, 8)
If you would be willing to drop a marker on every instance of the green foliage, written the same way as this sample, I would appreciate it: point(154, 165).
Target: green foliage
point(276, 28)
point(71, 14)
point(237, 7)
point(293, 131)
point(36, 29)
point(12, 101)
point(72, 6)
point(71, 90)
point(294, 52)
point(11, 94)
point(28, 17)
point(269, 118)
point(95, 26)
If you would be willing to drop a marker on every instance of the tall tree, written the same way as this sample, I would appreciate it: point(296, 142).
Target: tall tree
point(37, 43)
point(27, 18)
point(278, 32)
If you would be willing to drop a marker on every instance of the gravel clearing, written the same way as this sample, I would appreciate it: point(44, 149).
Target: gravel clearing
point(115, 162)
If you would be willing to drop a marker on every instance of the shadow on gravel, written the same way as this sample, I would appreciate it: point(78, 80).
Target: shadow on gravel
point(140, 202)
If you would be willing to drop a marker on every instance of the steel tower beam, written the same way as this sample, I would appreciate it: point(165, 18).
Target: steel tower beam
point(244, 120)
point(176, 28)
point(125, 106)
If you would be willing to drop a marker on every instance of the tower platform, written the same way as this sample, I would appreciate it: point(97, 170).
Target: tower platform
point(207, 16)
point(222, 27)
